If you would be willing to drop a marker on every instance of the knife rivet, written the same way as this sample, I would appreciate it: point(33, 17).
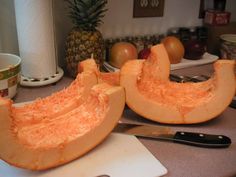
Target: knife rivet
point(201, 135)
point(220, 137)
point(182, 133)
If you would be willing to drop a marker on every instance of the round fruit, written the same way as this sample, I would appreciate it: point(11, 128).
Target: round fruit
point(151, 94)
point(51, 142)
point(121, 52)
point(144, 54)
point(194, 49)
point(175, 49)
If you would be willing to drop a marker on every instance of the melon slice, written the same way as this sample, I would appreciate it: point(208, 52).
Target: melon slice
point(89, 65)
point(58, 103)
point(52, 142)
point(151, 94)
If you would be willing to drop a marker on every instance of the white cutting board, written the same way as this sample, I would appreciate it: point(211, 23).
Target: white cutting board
point(118, 156)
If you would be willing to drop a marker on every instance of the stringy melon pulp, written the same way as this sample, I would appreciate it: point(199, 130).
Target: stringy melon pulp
point(49, 133)
point(156, 86)
point(184, 96)
point(55, 104)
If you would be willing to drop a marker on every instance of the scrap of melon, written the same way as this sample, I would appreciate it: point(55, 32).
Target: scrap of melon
point(153, 96)
point(58, 103)
point(89, 65)
point(53, 142)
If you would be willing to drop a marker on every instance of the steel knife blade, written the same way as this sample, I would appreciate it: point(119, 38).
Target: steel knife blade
point(165, 133)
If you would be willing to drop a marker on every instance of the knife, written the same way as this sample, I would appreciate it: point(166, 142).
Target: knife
point(165, 133)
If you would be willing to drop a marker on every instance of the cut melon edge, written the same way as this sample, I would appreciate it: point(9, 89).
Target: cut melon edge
point(19, 155)
point(223, 80)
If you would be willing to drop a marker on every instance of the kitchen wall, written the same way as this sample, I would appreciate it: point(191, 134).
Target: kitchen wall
point(119, 18)
point(118, 21)
point(8, 36)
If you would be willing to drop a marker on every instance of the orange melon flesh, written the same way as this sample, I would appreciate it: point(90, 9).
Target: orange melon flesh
point(153, 96)
point(52, 142)
point(157, 66)
point(112, 78)
point(89, 65)
point(184, 96)
point(58, 103)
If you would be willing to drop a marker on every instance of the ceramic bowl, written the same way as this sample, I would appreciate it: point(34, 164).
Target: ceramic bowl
point(228, 46)
point(10, 67)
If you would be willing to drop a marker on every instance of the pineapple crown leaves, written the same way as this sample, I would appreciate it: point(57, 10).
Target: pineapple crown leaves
point(87, 14)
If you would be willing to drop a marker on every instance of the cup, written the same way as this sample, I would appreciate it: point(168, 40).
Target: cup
point(10, 67)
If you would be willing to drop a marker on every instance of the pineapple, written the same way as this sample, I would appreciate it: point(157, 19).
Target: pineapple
point(85, 40)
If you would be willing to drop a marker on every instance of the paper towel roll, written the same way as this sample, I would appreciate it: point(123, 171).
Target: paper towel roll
point(35, 29)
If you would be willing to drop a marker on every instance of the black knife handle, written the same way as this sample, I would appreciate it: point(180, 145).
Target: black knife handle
point(202, 140)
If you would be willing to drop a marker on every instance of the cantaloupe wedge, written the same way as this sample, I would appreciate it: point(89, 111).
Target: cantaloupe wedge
point(54, 141)
point(151, 94)
point(89, 65)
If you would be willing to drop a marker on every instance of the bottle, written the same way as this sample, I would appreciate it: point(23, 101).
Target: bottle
point(138, 43)
point(202, 33)
point(193, 33)
point(174, 32)
point(184, 34)
point(147, 41)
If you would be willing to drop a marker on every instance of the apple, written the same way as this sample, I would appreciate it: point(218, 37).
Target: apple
point(143, 54)
point(121, 52)
point(194, 49)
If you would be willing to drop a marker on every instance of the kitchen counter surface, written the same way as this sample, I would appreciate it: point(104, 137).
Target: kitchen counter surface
point(180, 160)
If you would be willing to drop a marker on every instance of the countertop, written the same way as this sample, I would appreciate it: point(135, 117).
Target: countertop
point(180, 160)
